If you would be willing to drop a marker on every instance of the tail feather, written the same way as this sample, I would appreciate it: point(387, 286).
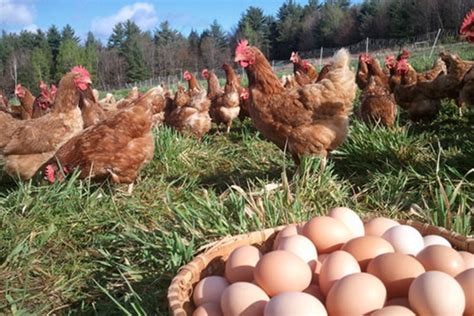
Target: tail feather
point(341, 58)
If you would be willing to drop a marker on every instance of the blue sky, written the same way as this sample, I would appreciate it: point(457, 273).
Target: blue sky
point(101, 15)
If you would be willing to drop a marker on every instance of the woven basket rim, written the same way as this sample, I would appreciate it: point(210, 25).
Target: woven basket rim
point(180, 291)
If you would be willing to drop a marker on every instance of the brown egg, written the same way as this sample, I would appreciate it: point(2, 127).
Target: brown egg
point(294, 303)
point(302, 247)
point(336, 266)
point(441, 258)
point(468, 259)
point(394, 311)
point(398, 301)
point(209, 290)
point(396, 271)
point(436, 293)
point(290, 230)
point(208, 309)
point(243, 299)
point(365, 248)
point(315, 290)
point(356, 294)
point(326, 233)
point(466, 280)
point(319, 264)
point(282, 271)
point(241, 263)
point(378, 226)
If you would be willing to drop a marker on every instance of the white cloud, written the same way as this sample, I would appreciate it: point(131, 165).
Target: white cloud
point(30, 28)
point(142, 13)
point(12, 12)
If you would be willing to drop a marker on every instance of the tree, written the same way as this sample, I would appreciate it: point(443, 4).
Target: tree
point(289, 27)
point(136, 69)
point(68, 57)
point(255, 27)
point(117, 38)
point(69, 34)
point(214, 46)
point(90, 58)
point(54, 41)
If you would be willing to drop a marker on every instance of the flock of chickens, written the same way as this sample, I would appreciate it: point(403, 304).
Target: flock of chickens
point(68, 128)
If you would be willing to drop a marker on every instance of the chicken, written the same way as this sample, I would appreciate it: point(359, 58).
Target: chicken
point(133, 95)
point(116, 148)
point(438, 69)
point(407, 94)
point(308, 120)
point(304, 72)
point(213, 86)
point(44, 101)
point(289, 81)
point(193, 84)
point(323, 73)
point(26, 101)
point(377, 104)
point(92, 112)
point(108, 104)
point(466, 95)
point(191, 117)
point(231, 77)
point(362, 75)
point(4, 104)
point(467, 28)
point(26, 145)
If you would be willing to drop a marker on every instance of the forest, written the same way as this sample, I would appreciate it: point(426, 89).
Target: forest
point(132, 55)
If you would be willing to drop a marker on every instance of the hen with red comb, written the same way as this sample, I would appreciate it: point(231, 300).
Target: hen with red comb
point(467, 27)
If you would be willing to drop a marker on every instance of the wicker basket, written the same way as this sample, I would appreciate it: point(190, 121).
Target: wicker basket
point(212, 261)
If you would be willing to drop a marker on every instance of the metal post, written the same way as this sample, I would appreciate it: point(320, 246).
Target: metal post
point(367, 45)
point(321, 56)
point(435, 42)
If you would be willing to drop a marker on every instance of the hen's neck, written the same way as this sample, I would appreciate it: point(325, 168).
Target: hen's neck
point(262, 77)
point(193, 84)
point(213, 86)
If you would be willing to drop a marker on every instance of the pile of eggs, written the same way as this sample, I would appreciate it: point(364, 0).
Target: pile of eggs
point(335, 265)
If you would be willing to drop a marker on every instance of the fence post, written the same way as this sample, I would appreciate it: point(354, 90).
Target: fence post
point(321, 56)
point(435, 42)
point(367, 45)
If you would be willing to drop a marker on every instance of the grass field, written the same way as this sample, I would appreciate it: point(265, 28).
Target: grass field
point(82, 248)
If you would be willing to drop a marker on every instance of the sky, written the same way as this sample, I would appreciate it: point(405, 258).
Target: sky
point(100, 16)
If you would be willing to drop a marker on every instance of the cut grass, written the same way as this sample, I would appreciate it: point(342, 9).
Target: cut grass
point(82, 248)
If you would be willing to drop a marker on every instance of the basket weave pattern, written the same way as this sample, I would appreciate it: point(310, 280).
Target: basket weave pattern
point(212, 261)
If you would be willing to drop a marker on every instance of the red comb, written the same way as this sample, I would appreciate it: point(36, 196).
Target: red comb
point(205, 73)
point(49, 172)
point(54, 89)
point(81, 70)
point(468, 23)
point(187, 75)
point(243, 44)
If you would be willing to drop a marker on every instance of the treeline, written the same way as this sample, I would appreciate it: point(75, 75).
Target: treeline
point(132, 55)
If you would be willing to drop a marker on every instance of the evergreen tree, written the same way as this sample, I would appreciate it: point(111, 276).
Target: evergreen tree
point(136, 68)
point(90, 59)
point(117, 38)
point(254, 26)
point(288, 27)
point(68, 57)
point(69, 34)
point(54, 41)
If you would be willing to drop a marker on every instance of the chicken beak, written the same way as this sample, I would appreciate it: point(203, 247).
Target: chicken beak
point(88, 81)
point(237, 58)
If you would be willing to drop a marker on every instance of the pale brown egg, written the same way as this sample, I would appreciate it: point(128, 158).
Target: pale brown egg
point(290, 230)
point(435, 240)
point(208, 309)
point(404, 239)
point(294, 303)
point(315, 290)
point(319, 264)
point(349, 218)
point(209, 290)
point(468, 259)
point(243, 299)
point(441, 258)
point(436, 293)
point(326, 233)
point(300, 246)
point(393, 311)
point(336, 266)
point(398, 301)
point(282, 271)
point(466, 280)
point(365, 248)
point(378, 226)
point(356, 294)
point(396, 271)
point(241, 263)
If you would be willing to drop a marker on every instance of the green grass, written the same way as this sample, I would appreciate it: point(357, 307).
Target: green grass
point(82, 248)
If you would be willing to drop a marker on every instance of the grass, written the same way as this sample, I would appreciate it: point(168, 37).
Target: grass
point(82, 248)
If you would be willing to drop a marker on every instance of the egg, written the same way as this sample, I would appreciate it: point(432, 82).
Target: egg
point(466, 280)
point(241, 263)
point(436, 293)
point(365, 248)
point(302, 247)
point(435, 240)
point(282, 271)
point(378, 226)
point(468, 259)
point(441, 258)
point(326, 233)
point(396, 271)
point(336, 266)
point(315, 290)
point(319, 264)
point(208, 309)
point(294, 303)
point(393, 311)
point(404, 239)
point(243, 299)
point(356, 294)
point(209, 290)
point(398, 301)
point(290, 230)
point(349, 218)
